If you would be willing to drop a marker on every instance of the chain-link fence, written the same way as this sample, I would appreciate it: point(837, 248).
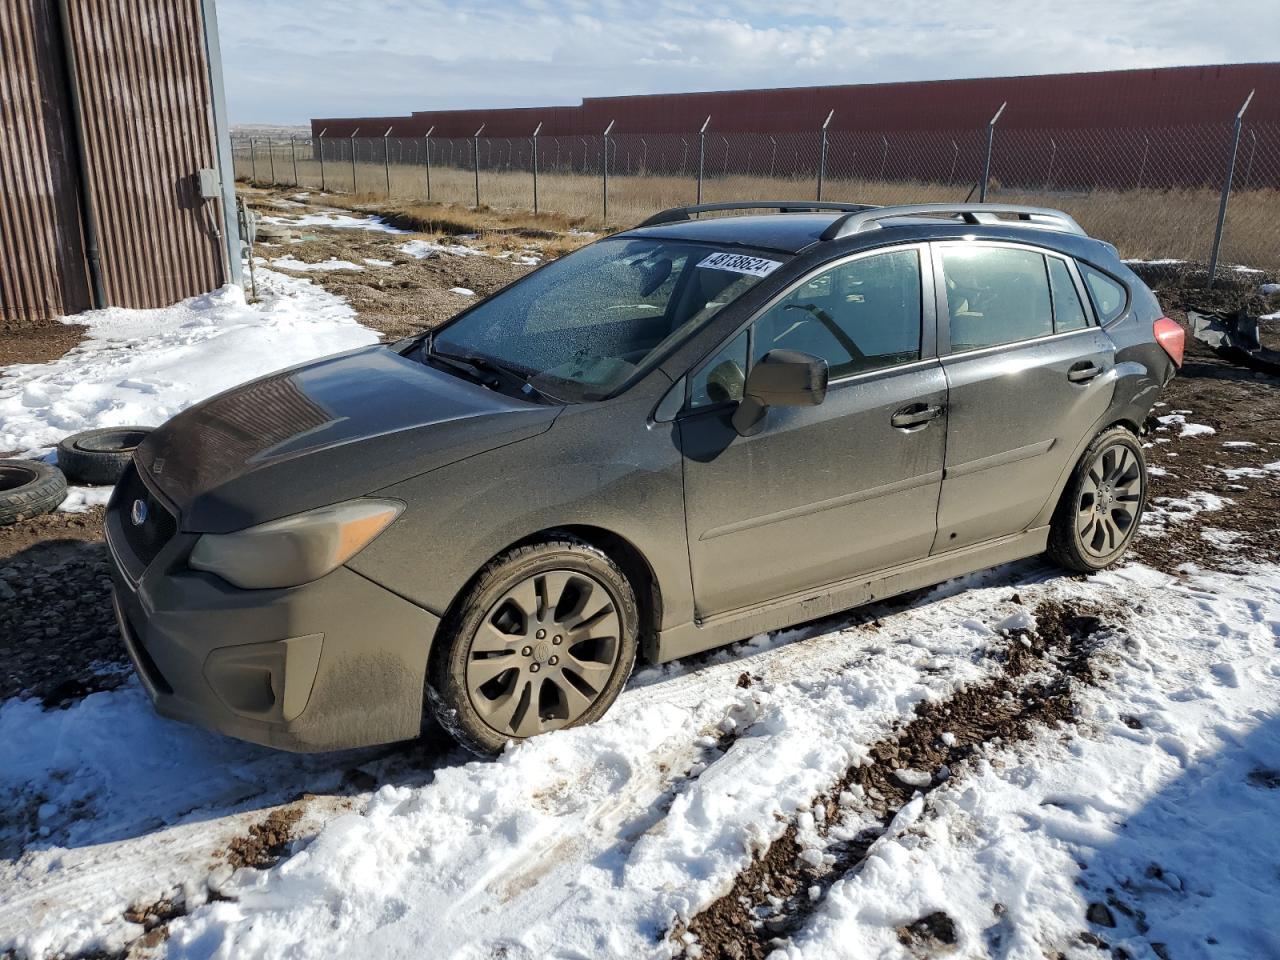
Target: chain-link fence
point(1157, 194)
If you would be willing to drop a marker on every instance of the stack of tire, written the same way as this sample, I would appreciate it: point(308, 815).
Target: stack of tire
point(29, 488)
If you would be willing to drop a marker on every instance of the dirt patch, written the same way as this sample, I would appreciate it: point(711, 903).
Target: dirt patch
point(58, 638)
point(931, 934)
point(267, 841)
point(774, 895)
point(39, 344)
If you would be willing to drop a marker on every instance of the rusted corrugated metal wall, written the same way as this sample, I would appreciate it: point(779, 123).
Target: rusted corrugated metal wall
point(142, 74)
point(144, 89)
point(42, 267)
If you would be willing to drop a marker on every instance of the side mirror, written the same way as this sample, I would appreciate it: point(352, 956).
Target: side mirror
point(782, 378)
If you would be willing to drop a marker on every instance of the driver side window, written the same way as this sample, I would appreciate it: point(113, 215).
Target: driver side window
point(859, 316)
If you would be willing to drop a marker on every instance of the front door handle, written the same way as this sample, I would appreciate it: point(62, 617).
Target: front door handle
point(1083, 372)
point(916, 415)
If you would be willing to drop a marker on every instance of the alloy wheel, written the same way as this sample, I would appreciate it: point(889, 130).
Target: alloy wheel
point(1110, 501)
point(543, 653)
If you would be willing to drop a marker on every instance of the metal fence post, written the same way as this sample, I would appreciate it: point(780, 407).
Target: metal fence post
point(475, 160)
point(320, 139)
point(605, 169)
point(271, 159)
point(427, 145)
point(386, 159)
point(986, 166)
point(1226, 189)
point(293, 155)
point(536, 131)
point(822, 153)
point(702, 153)
point(253, 159)
point(353, 160)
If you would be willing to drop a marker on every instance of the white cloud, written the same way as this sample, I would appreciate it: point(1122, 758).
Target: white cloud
point(292, 59)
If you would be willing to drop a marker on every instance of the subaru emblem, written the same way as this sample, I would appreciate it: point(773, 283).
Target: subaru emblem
point(138, 513)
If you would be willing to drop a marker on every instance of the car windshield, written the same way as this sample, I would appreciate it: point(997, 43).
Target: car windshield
point(581, 326)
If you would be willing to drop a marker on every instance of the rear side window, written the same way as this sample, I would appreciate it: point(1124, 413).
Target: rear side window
point(858, 316)
point(1108, 296)
point(1068, 311)
point(995, 295)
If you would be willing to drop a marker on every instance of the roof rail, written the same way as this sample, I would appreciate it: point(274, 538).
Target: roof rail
point(975, 213)
point(678, 214)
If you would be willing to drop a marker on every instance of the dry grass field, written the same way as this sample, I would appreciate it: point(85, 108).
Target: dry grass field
point(1143, 224)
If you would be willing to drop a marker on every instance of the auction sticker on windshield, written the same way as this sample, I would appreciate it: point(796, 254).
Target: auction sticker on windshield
point(737, 263)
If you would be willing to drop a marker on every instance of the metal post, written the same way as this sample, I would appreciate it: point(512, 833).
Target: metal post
point(536, 131)
point(822, 153)
point(353, 160)
point(271, 159)
point(986, 166)
point(1053, 152)
point(386, 159)
point(702, 153)
point(320, 140)
point(1226, 189)
point(293, 155)
point(605, 167)
point(1142, 167)
point(427, 144)
point(253, 159)
point(475, 160)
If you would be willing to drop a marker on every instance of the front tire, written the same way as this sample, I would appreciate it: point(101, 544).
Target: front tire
point(545, 638)
point(1102, 503)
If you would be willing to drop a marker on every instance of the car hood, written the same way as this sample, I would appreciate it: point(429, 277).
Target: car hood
point(322, 432)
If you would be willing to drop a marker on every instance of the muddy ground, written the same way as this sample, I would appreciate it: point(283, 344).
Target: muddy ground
point(57, 637)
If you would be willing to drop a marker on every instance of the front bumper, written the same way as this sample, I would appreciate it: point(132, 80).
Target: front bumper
point(329, 665)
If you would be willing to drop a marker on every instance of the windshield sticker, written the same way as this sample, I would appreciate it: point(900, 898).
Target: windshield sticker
point(737, 263)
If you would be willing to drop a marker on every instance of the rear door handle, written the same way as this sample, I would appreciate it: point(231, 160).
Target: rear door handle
point(1083, 372)
point(916, 415)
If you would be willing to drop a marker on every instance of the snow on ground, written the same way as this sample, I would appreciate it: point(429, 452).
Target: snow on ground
point(1152, 822)
point(143, 366)
point(429, 248)
point(292, 263)
point(462, 291)
point(337, 220)
point(1178, 418)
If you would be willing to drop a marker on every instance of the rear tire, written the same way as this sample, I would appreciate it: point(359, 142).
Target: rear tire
point(545, 638)
point(1102, 504)
point(29, 488)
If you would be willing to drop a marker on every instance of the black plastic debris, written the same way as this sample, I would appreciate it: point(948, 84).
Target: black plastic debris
point(1234, 337)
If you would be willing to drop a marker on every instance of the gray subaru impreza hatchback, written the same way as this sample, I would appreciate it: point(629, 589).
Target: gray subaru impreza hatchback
point(677, 437)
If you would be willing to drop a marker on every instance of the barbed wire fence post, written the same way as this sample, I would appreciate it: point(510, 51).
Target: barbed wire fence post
point(320, 138)
point(293, 155)
point(702, 153)
point(1226, 188)
point(604, 167)
point(253, 160)
point(386, 159)
point(426, 149)
point(986, 166)
point(822, 152)
point(353, 160)
point(534, 138)
point(271, 159)
point(475, 160)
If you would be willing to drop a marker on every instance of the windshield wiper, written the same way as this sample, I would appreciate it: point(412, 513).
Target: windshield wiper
point(478, 366)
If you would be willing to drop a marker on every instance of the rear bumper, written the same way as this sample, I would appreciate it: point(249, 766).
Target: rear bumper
point(329, 665)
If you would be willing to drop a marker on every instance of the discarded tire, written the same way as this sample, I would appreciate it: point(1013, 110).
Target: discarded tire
point(99, 456)
point(29, 488)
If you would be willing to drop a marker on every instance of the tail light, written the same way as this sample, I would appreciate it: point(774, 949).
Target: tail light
point(1172, 338)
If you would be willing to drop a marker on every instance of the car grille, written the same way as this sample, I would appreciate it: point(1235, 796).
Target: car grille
point(149, 537)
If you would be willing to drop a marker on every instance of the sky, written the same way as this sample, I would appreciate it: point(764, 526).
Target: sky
point(289, 60)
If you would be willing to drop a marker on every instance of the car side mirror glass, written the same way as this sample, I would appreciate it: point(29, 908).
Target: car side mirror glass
point(781, 378)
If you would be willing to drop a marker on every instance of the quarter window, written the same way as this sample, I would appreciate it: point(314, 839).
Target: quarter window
point(859, 316)
point(995, 295)
point(721, 378)
point(1108, 296)
point(1068, 311)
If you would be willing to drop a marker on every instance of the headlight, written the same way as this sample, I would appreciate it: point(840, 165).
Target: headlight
point(297, 549)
